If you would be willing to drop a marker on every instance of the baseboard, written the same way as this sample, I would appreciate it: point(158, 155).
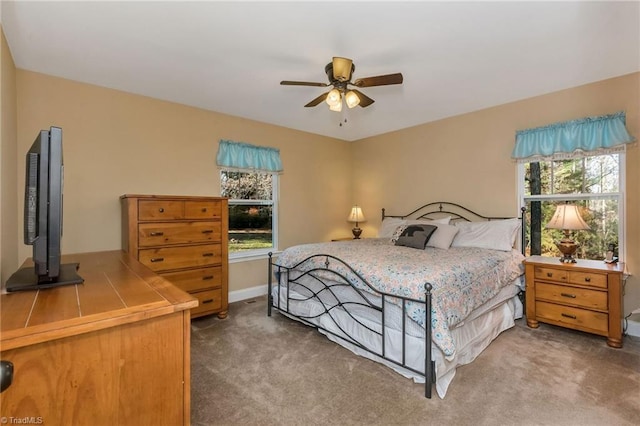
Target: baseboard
point(633, 325)
point(247, 293)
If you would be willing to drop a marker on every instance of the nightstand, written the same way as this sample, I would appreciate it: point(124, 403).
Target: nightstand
point(585, 296)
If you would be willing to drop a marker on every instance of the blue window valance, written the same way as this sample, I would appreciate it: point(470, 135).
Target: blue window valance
point(573, 139)
point(244, 156)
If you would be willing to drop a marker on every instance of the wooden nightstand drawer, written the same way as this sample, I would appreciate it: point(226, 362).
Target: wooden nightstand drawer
point(196, 279)
point(588, 278)
point(210, 300)
point(164, 259)
point(576, 296)
point(582, 319)
point(156, 234)
point(542, 273)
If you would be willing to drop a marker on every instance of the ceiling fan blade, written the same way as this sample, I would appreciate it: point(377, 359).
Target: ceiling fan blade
point(302, 83)
point(317, 100)
point(365, 101)
point(342, 68)
point(380, 80)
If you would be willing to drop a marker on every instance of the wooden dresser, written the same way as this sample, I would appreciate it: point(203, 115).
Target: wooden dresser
point(585, 296)
point(185, 240)
point(114, 350)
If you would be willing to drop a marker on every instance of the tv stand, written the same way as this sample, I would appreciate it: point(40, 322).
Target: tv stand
point(25, 279)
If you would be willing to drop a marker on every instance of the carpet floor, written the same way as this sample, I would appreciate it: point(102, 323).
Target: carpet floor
point(250, 369)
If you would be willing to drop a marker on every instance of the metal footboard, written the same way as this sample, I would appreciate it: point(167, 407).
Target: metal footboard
point(340, 290)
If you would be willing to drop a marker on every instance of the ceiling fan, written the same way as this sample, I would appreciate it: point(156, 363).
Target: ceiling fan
point(339, 71)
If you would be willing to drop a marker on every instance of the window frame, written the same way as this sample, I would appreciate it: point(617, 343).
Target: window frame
point(258, 253)
point(620, 196)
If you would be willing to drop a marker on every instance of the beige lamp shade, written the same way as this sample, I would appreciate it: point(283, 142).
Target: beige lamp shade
point(567, 217)
point(356, 215)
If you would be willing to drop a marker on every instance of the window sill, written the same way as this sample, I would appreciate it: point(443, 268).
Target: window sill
point(253, 255)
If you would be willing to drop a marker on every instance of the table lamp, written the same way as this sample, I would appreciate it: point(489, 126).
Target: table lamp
point(356, 216)
point(567, 218)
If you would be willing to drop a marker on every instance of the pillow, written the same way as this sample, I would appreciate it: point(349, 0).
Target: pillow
point(494, 234)
point(443, 236)
point(389, 225)
point(415, 236)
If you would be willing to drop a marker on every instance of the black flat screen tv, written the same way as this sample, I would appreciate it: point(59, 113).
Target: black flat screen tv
point(43, 217)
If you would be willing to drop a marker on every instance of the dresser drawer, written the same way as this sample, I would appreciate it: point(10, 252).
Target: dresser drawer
point(591, 299)
point(156, 234)
point(202, 209)
point(196, 279)
point(542, 273)
point(210, 300)
point(582, 319)
point(167, 258)
point(588, 278)
point(160, 210)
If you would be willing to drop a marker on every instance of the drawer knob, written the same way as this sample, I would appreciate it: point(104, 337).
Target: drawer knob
point(208, 231)
point(157, 234)
point(571, 296)
point(587, 279)
point(207, 254)
point(549, 274)
point(204, 210)
point(207, 301)
point(568, 316)
point(157, 259)
point(207, 277)
point(161, 210)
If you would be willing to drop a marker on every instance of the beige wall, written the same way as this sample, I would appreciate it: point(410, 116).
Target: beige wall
point(8, 164)
point(467, 159)
point(117, 143)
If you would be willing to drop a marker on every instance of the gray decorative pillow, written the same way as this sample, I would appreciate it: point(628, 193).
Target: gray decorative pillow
point(416, 236)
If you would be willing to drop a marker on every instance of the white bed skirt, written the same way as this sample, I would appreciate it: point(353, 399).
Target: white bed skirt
point(471, 337)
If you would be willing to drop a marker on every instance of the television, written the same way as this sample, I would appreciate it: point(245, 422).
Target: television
point(43, 217)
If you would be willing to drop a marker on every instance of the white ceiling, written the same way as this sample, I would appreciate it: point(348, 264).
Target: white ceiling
point(230, 57)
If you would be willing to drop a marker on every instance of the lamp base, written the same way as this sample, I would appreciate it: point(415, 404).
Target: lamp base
point(356, 233)
point(568, 248)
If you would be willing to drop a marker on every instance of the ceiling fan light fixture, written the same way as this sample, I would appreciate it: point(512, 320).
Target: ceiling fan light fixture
point(352, 99)
point(333, 97)
point(337, 107)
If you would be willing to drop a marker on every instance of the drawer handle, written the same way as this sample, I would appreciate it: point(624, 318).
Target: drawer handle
point(587, 279)
point(569, 316)
point(207, 277)
point(208, 231)
point(572, 296)
point(161, 210)
point(207, 301)
point(207, 254)
point(549, 274)
point(156, 234)
point(204, 210)
point(157, 259)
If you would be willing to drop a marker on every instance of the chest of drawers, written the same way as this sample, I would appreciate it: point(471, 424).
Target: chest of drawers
point(585, 296)
point(185, 240)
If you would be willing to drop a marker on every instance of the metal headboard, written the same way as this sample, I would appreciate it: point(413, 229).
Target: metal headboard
point(458, 213)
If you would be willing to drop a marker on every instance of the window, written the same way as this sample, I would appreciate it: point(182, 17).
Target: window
point(253, 207)
point(594, 183)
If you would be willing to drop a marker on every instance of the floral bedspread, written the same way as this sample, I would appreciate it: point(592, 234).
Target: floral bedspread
point(463, 278)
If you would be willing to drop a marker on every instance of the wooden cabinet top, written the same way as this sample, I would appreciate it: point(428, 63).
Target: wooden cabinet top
point(171, 197)
point(581, 264)
point(117, 290)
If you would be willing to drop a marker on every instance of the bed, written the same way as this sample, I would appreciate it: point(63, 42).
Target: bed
point(442, 264)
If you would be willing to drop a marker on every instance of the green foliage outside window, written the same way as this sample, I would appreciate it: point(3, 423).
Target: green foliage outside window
point(592, 183)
